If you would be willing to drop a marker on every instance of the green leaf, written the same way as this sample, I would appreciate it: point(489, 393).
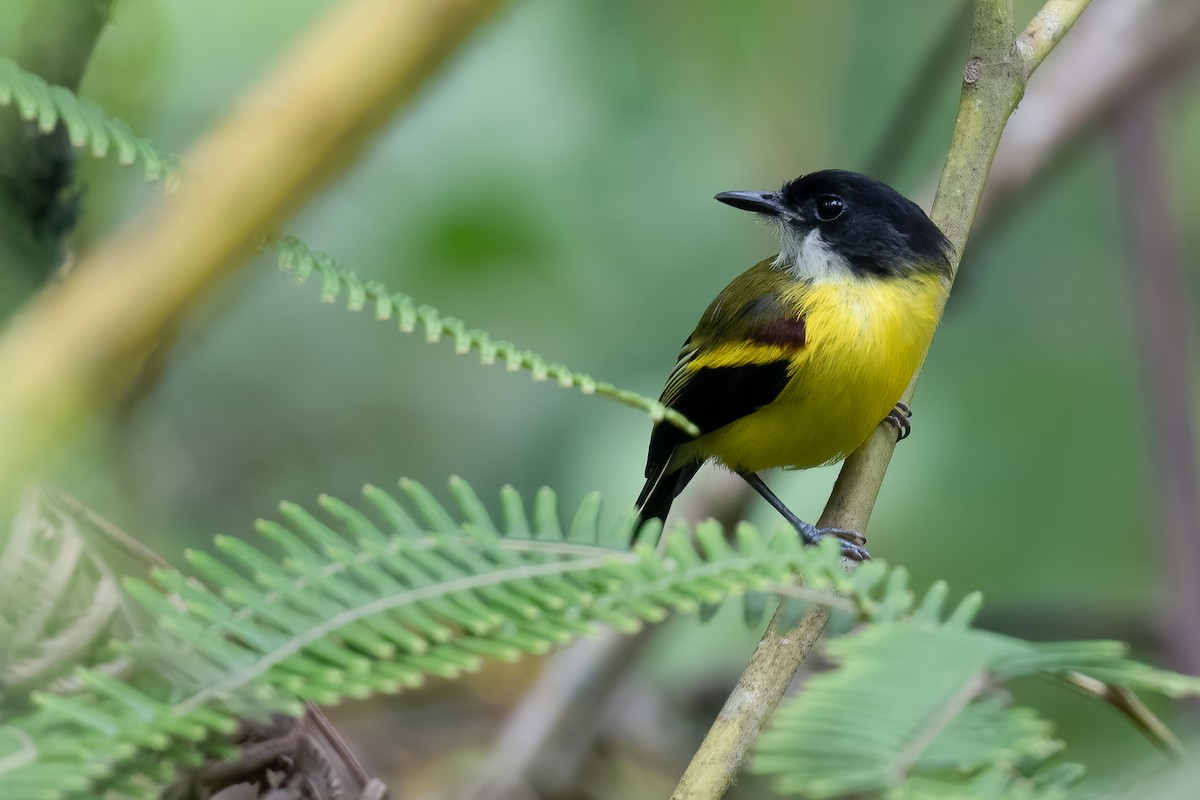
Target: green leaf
point(989, 732)
point(339, 603)
point(914, 708)
point(864, 726)
point(997, 783)
point(88, 127)
point(297, 259)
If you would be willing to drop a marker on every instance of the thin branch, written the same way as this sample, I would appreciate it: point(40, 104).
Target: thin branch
point(1045, 31)
point(993, 82)
point(309, 755)
point(1131, 706)
point(1164, 329)
point(74, 348)
point(113, 534)
point(1120, 50)
point(338, 754)
point(751, 703)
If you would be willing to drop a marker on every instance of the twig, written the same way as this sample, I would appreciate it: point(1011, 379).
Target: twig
point(1122, 49)
point(751, 703)
point(74, 347)
point(114, 535)
point(1160, 302)
point(993, 82)
point(340, 756)
point(1045, 31)
point(1131, 706)
point(286, 757)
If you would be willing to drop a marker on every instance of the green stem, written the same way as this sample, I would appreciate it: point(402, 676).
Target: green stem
point(993, 81)
point(751, 703)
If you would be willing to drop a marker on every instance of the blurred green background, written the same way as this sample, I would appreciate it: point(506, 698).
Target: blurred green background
point(553, 187)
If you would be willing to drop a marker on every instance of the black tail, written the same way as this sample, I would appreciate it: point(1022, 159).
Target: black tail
point(660, 492)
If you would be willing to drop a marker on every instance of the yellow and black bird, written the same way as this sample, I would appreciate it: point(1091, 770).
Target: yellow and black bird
point(804, 354)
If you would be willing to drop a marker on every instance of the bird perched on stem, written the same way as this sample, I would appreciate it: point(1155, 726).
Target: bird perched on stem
point(802, 355)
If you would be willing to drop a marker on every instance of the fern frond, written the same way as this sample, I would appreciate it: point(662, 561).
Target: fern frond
point(87, 126)
point(60, 597)
point(998, 783)
point(910, 684)
point(297, 259)
point(927, 687)
point(351, 603)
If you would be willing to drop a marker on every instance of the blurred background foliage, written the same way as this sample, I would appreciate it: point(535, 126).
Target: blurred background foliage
point(553, 187)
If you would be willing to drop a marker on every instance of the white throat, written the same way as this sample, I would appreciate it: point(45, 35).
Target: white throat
point(808, 257)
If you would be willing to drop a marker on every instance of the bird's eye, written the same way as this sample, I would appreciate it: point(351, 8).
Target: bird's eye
point(830, 207)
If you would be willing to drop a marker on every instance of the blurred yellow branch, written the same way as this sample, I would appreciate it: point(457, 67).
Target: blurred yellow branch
point(73, 347)
point(994, 79)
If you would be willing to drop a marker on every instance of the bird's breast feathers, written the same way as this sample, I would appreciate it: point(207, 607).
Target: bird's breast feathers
point(852, 344)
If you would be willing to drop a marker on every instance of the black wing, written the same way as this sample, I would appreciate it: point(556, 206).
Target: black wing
point(712, 397)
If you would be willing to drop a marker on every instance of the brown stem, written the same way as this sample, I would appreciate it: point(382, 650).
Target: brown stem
point(993, 82)
point(1160, 298)
point(755, 697)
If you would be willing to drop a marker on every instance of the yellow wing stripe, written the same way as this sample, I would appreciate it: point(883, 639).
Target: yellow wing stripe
point(729, 354)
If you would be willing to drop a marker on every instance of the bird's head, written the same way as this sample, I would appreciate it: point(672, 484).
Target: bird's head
point(835, 222)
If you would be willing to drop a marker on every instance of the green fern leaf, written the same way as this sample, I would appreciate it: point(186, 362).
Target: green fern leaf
point(297, 259)
point(998, 783)
point(925, 688)
point(350, 603)
point(87, 126)
point(60, 598)
point(989, 732)
point(904, 684)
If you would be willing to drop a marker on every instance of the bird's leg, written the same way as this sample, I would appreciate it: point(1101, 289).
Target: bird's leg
point(898, 418)
point(852, 541)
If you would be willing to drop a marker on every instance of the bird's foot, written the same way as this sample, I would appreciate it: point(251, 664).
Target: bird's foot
point(898, 418)
point(853, 542)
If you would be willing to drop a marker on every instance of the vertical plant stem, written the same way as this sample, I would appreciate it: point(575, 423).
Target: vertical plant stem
point(762, 685)
point(1160, 298)
point(993, 81)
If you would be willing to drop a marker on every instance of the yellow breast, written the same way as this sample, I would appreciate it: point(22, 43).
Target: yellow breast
point(864, 340)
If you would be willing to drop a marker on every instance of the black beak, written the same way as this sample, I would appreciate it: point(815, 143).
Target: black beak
point(769, 203)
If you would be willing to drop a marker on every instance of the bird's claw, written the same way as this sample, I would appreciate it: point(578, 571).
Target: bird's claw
point(853, 542)
point(898, 418)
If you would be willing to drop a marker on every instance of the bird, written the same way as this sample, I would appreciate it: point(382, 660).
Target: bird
point(804, 354)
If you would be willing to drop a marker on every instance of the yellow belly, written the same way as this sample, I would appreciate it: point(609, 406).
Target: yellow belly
point(864, 341)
